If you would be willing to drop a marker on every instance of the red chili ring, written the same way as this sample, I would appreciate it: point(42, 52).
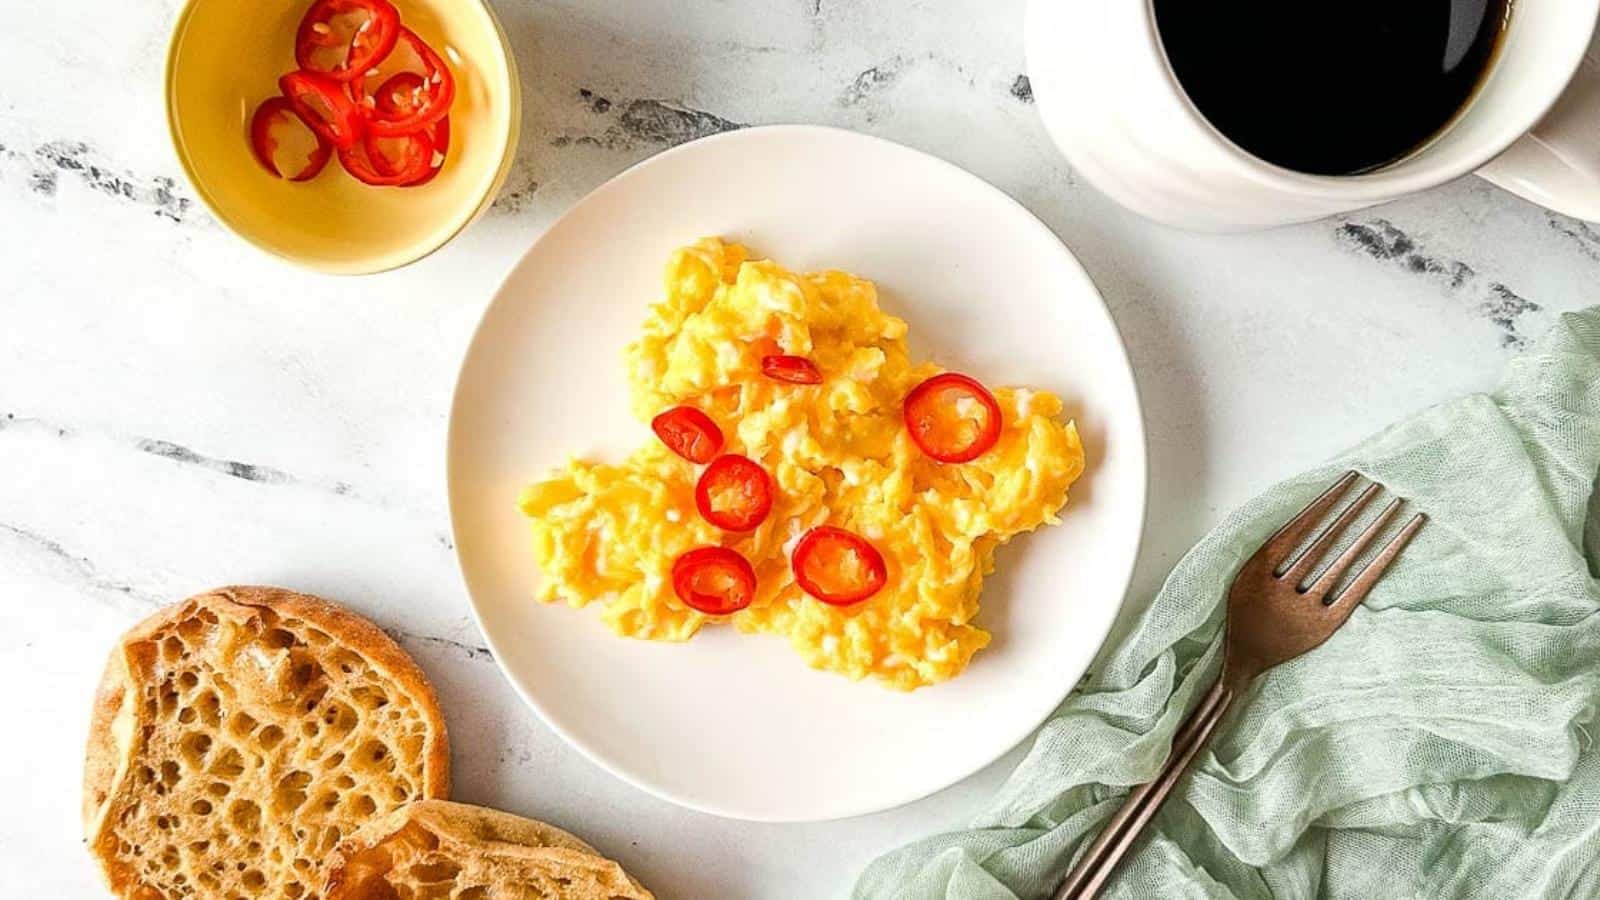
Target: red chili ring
point(714, 580)
point(939, 430)
point(406, 156)
point(441, 146)
point(274, 110)
point(421, 109)
point(371, 42)
point(398, 97)
point(821, 557)
point(335, 119)
point(734, 493)
point(360, 163)
point(689, 433)
point(791, 369)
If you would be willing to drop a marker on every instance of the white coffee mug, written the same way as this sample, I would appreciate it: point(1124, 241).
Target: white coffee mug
point(1110, 101)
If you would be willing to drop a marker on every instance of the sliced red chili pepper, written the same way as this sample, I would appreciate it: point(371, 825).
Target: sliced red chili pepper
point(734, 493)
point(793, 369)
point(277, 133)
point(324, 107)
point(389, 162)
point(714, 580)
point(402, 95)
point(689, 433)
point(416, 88)
point(952, 418)
point(441, 147)
point(341, 39)
point(407, 155)
point(838, 567)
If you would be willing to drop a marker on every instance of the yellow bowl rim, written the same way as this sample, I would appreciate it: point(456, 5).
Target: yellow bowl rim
point(353, 267)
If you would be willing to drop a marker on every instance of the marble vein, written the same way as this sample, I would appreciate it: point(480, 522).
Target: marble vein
point(229, 467)
point(1493, 301)
point(1586, 236)
point(473, 652)
point(80, 566)
point(88, 575)
point(46, 165)
point(254, 473)
point(178, 453)
point(873, 81)
point(513, 200)
point(866, 90)
point(595, 102)
point(644, 122)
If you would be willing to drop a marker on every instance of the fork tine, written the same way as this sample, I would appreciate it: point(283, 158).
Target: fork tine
point(1319, 548)
point(1330, 577)
point(1281, 544)
point(1352, 596)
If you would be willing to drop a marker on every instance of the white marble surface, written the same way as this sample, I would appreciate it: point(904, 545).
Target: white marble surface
point(178, 410)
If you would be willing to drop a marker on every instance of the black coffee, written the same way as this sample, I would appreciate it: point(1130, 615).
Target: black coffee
point(1331, 87)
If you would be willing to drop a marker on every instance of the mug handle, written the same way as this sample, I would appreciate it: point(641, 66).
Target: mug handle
point(1557, 164)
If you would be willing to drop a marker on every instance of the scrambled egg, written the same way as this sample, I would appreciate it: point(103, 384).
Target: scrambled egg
point(838, 454)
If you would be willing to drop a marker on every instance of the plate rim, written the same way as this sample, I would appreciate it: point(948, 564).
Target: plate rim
point(1138, 447)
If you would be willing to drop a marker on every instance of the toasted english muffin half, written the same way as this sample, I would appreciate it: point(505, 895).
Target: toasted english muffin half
point(437, 850)
point(238, 736)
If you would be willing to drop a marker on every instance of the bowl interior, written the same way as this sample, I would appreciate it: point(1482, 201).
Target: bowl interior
point(226, 58)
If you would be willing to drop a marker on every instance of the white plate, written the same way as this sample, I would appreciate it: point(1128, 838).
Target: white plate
point(737, 725)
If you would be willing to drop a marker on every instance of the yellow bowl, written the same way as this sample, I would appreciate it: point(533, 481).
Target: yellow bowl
point(226, 57)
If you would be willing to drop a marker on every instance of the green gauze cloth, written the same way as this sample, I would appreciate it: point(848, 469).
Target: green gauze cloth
point(1440, 745)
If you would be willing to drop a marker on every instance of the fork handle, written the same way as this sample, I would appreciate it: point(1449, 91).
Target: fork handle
point(1089, 876)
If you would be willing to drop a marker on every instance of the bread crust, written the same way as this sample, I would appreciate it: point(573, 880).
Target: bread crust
point(118, 729)
point(466, 823)
point(463, 830)
point(102, 764)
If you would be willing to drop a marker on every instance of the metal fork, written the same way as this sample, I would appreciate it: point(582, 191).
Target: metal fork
point(1271, 620)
